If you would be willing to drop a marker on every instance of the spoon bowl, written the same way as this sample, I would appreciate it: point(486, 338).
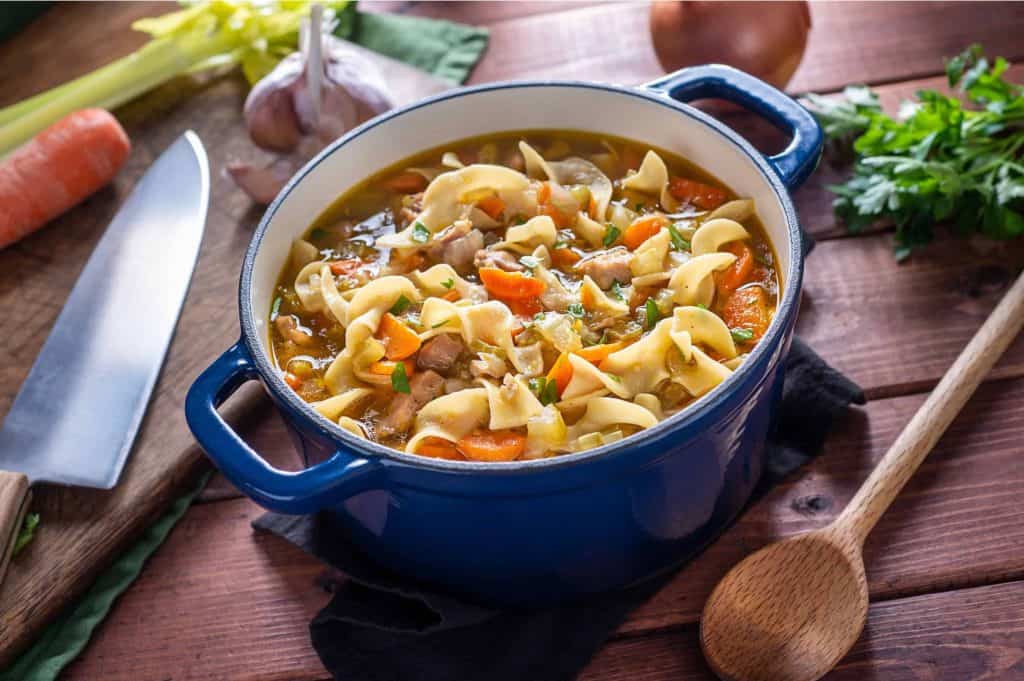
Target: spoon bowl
point(788, 612)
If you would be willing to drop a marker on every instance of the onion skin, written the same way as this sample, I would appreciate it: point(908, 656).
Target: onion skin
point(764, 39)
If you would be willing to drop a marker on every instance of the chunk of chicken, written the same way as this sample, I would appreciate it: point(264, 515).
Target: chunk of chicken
point(456, 245)
point(409, 212)
point(440, 352)
point(288, 326)
point(503, 260)
point(608, 267)
point(423, 387)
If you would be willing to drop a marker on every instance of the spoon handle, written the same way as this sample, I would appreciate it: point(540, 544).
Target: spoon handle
point(934, 416)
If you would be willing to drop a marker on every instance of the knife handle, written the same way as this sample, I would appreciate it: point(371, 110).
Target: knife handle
point(14, 498)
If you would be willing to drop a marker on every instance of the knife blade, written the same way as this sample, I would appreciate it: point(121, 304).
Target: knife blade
point(78, 412)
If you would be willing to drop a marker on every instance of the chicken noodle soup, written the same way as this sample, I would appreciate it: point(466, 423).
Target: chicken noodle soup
point(522, 296)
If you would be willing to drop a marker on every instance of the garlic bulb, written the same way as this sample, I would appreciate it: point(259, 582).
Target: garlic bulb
point(310, 99)
point(280, 110)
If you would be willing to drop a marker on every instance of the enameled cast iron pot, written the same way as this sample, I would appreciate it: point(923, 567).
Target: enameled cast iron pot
point(529, 532)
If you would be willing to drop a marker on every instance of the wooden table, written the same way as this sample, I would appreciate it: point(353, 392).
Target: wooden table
point(946, 564)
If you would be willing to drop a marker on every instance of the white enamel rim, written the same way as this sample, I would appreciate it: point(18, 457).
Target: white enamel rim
point(449, 117)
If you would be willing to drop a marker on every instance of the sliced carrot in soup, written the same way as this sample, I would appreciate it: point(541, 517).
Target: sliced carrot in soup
point(561, 372)
point(406, 183)
point(385, 368)
point(740, 272)
point(399, 340)
point(343, 267)
point(492, 445)
point(439, 448)
point(643, 229)
point(705, 196)
point(492, 205)
point(510, 285)
point(747, 308)
point(596, 354)
point(565, 257)
point(525, 307)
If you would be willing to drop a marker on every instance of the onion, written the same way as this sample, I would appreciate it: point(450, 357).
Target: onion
point(766, 40)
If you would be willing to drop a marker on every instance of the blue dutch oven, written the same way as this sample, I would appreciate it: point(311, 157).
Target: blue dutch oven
point(529, 532)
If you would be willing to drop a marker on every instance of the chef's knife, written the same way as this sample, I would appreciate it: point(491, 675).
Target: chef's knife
point(77, 414)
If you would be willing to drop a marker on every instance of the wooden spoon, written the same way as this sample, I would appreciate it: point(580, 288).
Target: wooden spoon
point(792, 610)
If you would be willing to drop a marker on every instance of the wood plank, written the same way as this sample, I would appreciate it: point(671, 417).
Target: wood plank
point(967, 635)
point(849, 42)
point(951, 527)
point(896, 328)
point(217, 601)
point(867, 42)
point(474, 13)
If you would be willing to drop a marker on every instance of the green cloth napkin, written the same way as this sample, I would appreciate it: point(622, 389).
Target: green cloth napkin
point(441, 48)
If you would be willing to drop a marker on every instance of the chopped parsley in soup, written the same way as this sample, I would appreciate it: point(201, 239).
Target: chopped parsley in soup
point(522, 296)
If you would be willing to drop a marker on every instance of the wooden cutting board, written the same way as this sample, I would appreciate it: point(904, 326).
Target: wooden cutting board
point(82, 530)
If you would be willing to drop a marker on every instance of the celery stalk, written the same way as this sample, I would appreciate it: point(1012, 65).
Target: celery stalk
point(212, 32)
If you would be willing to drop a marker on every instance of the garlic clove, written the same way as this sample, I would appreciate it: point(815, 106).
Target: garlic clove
point(270, 115)
point(262, 184)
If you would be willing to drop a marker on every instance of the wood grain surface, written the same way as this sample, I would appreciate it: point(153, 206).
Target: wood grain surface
point(220, 602)
point(951, 528)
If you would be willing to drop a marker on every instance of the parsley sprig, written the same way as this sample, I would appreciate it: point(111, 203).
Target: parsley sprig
point(939, 160)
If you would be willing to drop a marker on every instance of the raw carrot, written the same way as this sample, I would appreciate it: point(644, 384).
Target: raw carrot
point(385, 368)
point(702, 195)
point(596, 354)
point(492, 445)
point(747, 308)
point(642, 229)
point(510, 285)
point(565, 257)
point(57, 169)
point(492, 205)
point(438, 448)
point(739, 272)
point(561, 372)
point(399, 340)
point(343, 267)
point(407, 183)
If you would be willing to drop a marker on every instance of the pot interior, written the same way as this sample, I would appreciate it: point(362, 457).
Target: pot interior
point(589, 108)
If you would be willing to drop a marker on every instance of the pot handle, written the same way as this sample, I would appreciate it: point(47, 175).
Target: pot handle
point(341, 476)
point(797, 161)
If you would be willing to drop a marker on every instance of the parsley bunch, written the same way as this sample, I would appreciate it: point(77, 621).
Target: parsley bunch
point(938, 160)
